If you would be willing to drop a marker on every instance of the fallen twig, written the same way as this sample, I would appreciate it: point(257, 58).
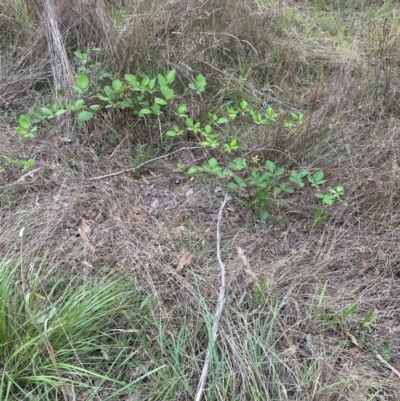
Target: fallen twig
point(388, 365)
point(218, 312)
point(28, 174)
point(143, 164)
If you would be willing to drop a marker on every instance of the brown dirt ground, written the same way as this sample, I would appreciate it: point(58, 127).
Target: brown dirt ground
point(142, 224)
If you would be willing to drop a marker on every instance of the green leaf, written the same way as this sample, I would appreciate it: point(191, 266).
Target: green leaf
point(101, 97)
point(222, 120)
point(103, 74)
point(297, 177)
point(316, 179)
point(212, 143)
point(271, 166)
point(227, 148)
point(85, 116)
point(77, 89)
point(152, 84)
point(368, 319)
point(348, 311)
point(255, 177)
point(37, 118)
point(285, 188)
point(213, 162)
point(221, 173)
point(175, 132)
point(243, 105)
point(270, 113)
point(238, 164)
point(241, 183)
point(80, 55)
point(318, 175)
point(232, 185)
point(118, 86)
point(328, 199)
point(170, 76)
point(267, 177)
point(161, 80)
point(27, 163)
point(132, 80)
point(207, 129)
point(125, 103)
point(288, 189)
point(60, 112)
point(46, 111)
point(193, 170)
point(200, 84)
point(156, 109)
point(79, 104)
point(145, 81)
point(24, 121)
point(82, 80)
point(263, 215)
point(201, 81)
point(158, 100)
point(144, 112)
point(21, 131)
point(109, 92)
point(95, 107)
point(298, 182)
point(182, 108)
point(6, 158)
point(167, 92)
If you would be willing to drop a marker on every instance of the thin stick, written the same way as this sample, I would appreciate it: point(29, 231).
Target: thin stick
point(143, 164)
point(387, 364)
point(29, 173)
point(218, 312)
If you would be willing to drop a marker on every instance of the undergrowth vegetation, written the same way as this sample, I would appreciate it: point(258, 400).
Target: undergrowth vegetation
point(141, 96)
point(124, 123)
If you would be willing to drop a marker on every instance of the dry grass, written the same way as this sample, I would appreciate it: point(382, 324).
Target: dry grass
point(340, 69)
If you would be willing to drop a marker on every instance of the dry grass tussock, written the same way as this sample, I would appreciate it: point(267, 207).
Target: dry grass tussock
point(299, 271)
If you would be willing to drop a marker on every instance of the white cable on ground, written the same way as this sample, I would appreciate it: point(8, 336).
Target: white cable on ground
point(218, 312)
